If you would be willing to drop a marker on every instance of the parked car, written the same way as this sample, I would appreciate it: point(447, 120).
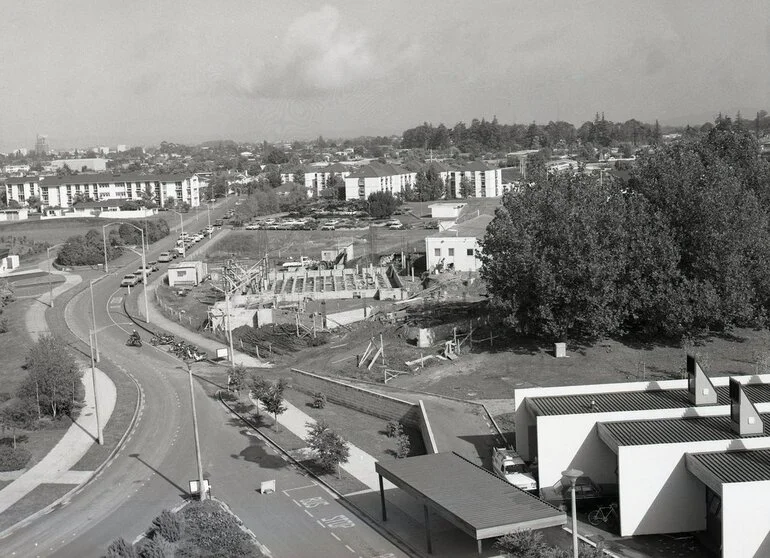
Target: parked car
point(164, 257)
point(130, 280)
point(153, 265)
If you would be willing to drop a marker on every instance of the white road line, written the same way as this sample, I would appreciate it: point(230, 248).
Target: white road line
point(307, 512)
point(293, 500)
point(300, 488)
point(321, 524)
point(333, 534)
point(350, 549)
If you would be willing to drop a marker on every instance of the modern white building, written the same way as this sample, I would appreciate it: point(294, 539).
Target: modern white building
point(456, 248)
point(377, 177)
point(672, 451)
point(446, 211)
point(483, 181)
point(62, 191)
point(318, 178)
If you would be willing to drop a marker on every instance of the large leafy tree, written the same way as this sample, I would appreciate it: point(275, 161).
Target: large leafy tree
point(53, 377)
point(382, 204)
point(567, 258)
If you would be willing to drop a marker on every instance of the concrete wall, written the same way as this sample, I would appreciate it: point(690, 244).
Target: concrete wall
point(657, 492)
point(745, 528)
point(369, 402)
point(426, 431)
point(339, 319)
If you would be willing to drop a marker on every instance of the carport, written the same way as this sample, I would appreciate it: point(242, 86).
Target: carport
point(474, 500)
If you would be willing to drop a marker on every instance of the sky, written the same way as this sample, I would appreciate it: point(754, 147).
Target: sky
point(90, 73)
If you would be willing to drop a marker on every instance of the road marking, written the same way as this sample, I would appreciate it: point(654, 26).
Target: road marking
point(338, 522)
point(314, 502)
point(335, 536)
point(321, 524)
point(293, 500)
point(308, 512)
point(350, 549)
point(314, 485)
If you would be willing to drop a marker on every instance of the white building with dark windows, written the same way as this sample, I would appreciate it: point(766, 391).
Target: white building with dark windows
point(317, 179)
point(457, 247)
point(378, 177)
point(55, 191)
point(483, 181)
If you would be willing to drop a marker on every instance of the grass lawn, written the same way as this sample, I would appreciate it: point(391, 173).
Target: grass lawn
point(40, 497)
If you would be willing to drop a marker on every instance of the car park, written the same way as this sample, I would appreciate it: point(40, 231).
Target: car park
point(129, 280)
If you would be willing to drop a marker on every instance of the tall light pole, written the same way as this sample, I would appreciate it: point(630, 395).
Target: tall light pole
point(93, 320)
point(573, 475)
point(50, 286)
point(201, 491)
point(144, 263)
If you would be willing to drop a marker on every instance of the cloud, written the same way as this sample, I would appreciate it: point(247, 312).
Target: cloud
point(319, 56)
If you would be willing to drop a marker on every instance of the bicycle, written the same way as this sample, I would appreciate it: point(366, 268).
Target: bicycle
point(603, 514)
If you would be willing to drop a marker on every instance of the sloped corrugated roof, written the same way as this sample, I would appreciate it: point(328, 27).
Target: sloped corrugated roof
point(472, 498)
point(735, 466)
point(376, 170)
point(635, 400)
point(673, 431)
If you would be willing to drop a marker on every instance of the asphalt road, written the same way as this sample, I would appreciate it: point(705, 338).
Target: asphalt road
point(152, 470)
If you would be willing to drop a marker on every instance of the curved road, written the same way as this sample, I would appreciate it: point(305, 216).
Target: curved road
point(151, 471)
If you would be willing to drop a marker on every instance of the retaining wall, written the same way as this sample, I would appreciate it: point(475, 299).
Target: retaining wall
point(369, 402)
point(338, 319)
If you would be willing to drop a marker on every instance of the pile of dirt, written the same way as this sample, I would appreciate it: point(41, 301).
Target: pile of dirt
point(278, 339)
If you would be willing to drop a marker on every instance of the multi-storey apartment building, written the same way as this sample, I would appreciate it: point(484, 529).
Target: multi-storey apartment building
point(62, 191)
point(483, 181)
point(317, 179)
point(377, 177)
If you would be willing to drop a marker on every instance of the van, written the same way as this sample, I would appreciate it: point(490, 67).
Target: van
point(509, 465)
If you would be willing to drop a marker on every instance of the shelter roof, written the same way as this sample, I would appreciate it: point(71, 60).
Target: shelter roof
point(733, 466)
point(473, 499)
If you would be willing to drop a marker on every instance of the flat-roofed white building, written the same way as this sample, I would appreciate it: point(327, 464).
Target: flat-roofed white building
point(317, 179)
point(55, 191)
point(456, 248)
point(643, 440)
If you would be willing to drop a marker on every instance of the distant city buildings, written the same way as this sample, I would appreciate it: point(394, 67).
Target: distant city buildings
point(91, 164)
point(41, 145)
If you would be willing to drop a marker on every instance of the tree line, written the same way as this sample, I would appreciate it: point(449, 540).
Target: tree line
point(680, 249)
point(88, 249)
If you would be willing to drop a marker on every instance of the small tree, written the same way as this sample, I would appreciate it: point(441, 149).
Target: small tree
point(171, 202)
point(18, 414)
point(331, 450)
point(237, 378)
point(260, 387)
point(273, 403)
point(465, 188)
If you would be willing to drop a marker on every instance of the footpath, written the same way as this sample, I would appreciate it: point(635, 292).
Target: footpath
point(55, 467)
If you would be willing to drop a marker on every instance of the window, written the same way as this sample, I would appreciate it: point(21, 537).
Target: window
point(451, 252)
point(437, 252)
point(469, 252)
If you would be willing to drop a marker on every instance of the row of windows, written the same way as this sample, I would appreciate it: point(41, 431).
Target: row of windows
point(451, 252)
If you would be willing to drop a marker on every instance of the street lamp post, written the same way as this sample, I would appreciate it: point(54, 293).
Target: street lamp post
point(50, 286)
point(144, 263)
point(201, 491)
point(93, 320)
point(99, 433)
point(573, 475)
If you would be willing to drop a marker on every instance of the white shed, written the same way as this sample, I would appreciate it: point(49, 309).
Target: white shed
point(187, 274)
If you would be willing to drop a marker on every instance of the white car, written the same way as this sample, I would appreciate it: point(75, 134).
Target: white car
point(129, 280)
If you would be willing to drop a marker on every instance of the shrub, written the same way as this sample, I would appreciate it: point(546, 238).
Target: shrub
point(404, 445)
point(3, 325)
point(151, 548)
point(169, 525)
point(13, 459)
point(213, 531)
point(319, 400)
point(228, 396)
point(522, 544)
point(394, 429)
point(119, 548)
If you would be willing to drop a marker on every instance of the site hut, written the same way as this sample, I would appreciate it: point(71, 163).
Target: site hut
point(457, 247)
point(643, 462)
point(186, 274)
point(446, 213)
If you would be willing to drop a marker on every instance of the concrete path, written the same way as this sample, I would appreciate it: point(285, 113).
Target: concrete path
point(35, 315)
point(360, 464)
point(208, 345)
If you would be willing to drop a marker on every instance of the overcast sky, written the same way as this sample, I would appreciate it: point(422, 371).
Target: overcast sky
point(109, 72)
